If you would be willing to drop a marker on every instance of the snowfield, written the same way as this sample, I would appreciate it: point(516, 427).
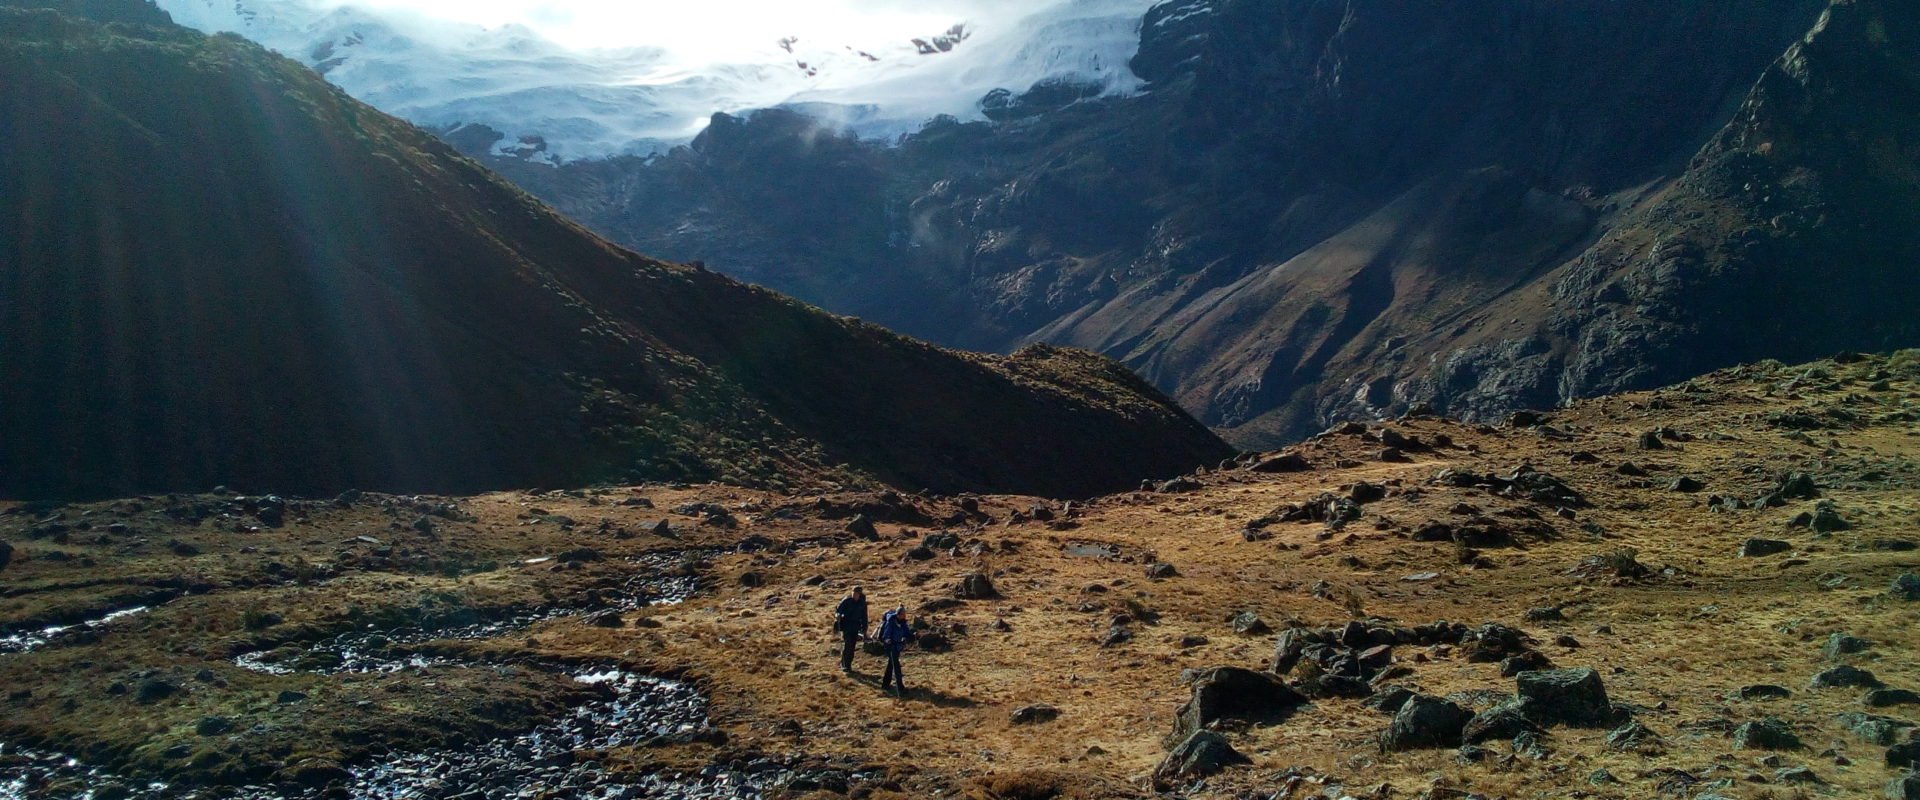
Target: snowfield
point(560, 101)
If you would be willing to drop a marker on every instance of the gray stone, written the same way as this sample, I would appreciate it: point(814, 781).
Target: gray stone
point(1199, 755)
point(1160, 572)
point(1425, 722)
point(1874, 728)
point(1503, 721)
point(1767, 734)
point(1760, 548)
point(1906, 587)
point(1844, 677)
point(1035, 714)
point(1840, 644)
point(1764, 691)
point(1634, 736)
point(1881, 698)
point(1565, 697)
point(1234, 693)
point(1390, 699)
point(213, 726)
point(1905, 755)
point(1905, 787)
point(1250, 624)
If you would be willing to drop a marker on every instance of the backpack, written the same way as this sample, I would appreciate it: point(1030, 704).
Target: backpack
point(894, 630)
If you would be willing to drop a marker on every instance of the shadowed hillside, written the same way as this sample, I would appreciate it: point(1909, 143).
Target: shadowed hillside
point(215, 268)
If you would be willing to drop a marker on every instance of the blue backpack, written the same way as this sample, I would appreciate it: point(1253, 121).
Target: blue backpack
point(893, 629)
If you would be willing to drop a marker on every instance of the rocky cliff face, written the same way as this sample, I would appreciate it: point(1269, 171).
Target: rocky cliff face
point(1338, 208)
point(215, 268)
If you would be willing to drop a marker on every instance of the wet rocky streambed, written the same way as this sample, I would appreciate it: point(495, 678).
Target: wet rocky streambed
point(626, 709)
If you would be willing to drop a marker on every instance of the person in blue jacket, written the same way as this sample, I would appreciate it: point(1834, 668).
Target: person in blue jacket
point(850, 621)
point(895, 633)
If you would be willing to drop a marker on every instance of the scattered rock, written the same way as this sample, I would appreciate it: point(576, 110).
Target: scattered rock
point(1905, 787)
point(1840, 644)
point(1827, 519)
point(1760, 548)
point(1199, 755)
point(1035, 714)
point(289, 696)
point(1574, 697)
point(606, 619)
point(1796, 775)
point(862, 527)
point(1874, 728)
point(1764, 691)
point(1425, 722)
point(1844, 677)
point(919, 553)
point(1798, 486)
point(1389, 700)
point(1160, 571)
point(1687, 484)
point(1234, 693)
point(1248, 623)
point(1906, 587)
point(1503, 721)
point(1767, 734)
point(213, 726)
point(1904, 756)
point(1178, 485)
point(1881, 698)
point(1634, 736)
point(976, 586)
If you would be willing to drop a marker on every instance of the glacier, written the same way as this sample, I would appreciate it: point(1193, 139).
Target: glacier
point(560, 101)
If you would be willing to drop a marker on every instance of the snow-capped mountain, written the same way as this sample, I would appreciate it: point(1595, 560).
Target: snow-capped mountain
point(589, 102)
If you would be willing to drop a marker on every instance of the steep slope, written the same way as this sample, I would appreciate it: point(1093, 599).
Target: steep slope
point(1346, 208)
point(216, 268)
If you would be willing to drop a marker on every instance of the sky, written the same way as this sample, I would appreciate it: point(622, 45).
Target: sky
point(710, 30)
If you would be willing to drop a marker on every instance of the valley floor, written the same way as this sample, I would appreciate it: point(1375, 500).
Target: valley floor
point(674, 641)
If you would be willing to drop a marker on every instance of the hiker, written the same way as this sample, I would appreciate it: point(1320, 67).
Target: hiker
point(850, 621)
point(894, 635)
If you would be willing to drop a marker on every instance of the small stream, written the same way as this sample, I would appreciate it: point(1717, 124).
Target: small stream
point(27, 641)
point(634, 709)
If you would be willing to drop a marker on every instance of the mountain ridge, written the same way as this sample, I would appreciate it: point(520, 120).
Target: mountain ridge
point(1172, 230)
point(223, 270)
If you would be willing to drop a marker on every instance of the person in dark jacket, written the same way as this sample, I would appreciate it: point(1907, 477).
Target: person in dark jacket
point(850, 621)
point(895, 633)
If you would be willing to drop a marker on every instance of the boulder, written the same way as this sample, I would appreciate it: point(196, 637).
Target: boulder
point(1881, 698)
point(1565, 697)
point(1160, 572)
point(1634, 736)
point(1503, 721)
point(213, 726)
point(1905, 755)
point(1905, 787)
point(1178, 485)
point(1874, 728)
point(1767, 734)
point(1687, 484)
point(1844, 677)
point(1760, 548)
point(1234, 693)
point(1840, 644)
point(976, 586)
point(1798, 486)
point(1425, 722)
point(861, 526)
point(1199, 755)
point(1906, 587)
point(1763, 691)
point(1827, 519)
point(1250, 624)
point(1390, 699)
point(1035, 714)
